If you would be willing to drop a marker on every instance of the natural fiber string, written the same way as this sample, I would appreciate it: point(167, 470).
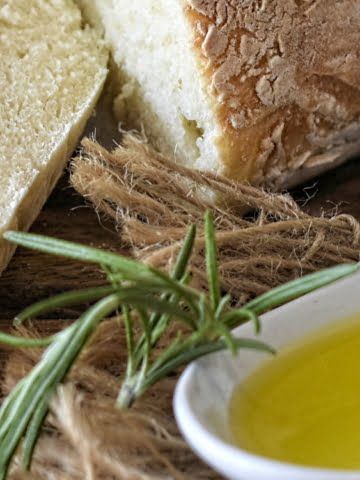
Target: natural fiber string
point(152, 201)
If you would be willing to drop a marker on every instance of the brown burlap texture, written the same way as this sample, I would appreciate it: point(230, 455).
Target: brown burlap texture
point(263, 239)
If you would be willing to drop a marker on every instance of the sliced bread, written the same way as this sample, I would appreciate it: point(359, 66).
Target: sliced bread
point(52, 72)
point(259, 90)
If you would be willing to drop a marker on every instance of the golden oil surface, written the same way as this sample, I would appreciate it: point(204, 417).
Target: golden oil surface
point(303, 406)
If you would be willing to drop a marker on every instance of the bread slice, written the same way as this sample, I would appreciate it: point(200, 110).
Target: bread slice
point(259, 90)
point(52, 72)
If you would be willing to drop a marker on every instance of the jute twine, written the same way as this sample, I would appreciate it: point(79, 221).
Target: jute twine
point(264, 240)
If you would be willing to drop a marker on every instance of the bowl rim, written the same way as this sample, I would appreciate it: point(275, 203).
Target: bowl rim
point(226, 457)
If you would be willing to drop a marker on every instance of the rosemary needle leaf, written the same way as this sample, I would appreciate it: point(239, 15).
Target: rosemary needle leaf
point(203, 310)
point(299, 287)
point(211, 260)
point(179, 273)
point(145, 321)
point(154, 304)
point(8, 401)
point(184, 254)
point(172, 350)
point(229, 340)
point(200, 351)
point(23, 342)
point(184, 291)
point(75, 297)
point(135, 296)
point(159, 322)
point(131, 268)
point(12, 405)
point(237, 317)
point(123, 267)
point(33, 432)
point(223, 304)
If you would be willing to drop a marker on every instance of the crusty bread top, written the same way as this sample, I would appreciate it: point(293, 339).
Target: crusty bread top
point(52, 67)
point(285, 80)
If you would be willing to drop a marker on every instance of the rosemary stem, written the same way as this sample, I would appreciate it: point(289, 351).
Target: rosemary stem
point(129, 332)
point(147, 343)
point(128, 392)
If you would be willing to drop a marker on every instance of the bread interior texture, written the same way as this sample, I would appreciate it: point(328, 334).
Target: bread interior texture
point(52, 71)
point(161, 87)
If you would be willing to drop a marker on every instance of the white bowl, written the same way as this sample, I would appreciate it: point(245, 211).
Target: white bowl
point(204, 390)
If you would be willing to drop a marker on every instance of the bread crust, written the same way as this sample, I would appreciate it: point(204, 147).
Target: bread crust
point(284, 79)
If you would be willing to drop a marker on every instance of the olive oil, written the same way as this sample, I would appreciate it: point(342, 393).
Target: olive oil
point(303, 407)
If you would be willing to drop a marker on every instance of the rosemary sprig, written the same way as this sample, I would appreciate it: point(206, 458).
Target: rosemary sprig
point(142, 294)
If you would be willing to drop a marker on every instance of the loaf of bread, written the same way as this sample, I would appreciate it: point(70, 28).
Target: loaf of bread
point(52, 72)
point(266, 91)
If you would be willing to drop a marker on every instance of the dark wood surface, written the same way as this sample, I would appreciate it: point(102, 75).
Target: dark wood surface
point(336, 192)
point(32, 276)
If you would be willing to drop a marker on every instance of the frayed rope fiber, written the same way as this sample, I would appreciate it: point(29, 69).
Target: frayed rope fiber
point(263, 239)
